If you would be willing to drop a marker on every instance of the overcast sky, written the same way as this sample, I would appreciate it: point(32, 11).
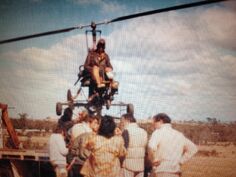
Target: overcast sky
point(181, 62)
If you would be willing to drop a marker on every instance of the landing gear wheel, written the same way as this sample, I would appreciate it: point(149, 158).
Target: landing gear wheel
point(69, 96)
point(58, 108)
point(130, 109)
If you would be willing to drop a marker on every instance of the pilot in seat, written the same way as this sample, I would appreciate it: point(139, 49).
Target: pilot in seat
point(99, 66)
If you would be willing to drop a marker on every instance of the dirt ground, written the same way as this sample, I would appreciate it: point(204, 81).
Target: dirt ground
point(220, 163)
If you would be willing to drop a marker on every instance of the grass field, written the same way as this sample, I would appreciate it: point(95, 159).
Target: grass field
point(223, 164)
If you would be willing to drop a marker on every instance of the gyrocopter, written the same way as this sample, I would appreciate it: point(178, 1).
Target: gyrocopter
point(98, 96)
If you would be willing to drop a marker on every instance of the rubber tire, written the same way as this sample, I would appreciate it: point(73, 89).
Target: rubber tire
point(58, 108)
point(130, 109)
point(69, 95)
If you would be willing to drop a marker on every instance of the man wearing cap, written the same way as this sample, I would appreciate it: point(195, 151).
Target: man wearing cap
point(98, 64)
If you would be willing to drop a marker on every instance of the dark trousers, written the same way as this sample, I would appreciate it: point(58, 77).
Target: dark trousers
point(75, 171)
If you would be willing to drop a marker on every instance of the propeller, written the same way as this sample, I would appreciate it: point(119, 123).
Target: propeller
point(122, 18)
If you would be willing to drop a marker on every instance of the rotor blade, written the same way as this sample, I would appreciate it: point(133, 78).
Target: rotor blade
point(184, 6)
point(42, 34)
point(37, 35)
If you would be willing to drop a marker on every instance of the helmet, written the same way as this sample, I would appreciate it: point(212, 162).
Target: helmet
point(101, 43)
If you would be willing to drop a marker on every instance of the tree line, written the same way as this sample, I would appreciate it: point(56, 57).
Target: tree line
point(210, 131)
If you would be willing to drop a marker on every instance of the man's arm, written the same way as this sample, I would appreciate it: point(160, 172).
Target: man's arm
point(154, 140)
point(152, 145)
point(189, 150)
point(62, 146)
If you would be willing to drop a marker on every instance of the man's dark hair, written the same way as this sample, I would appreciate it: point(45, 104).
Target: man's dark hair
point(107, 126)
point(162, 116)
point(129, 117)
point(67, 115)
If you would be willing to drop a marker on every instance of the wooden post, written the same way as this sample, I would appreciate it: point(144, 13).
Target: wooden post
point(9, 126)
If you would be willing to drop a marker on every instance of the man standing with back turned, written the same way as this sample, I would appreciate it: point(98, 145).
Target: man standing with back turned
point(135, 139)
point(168, 148)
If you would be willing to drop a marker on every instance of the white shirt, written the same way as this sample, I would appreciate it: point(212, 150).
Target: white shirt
point(57, 149)
point(80, 128)
point(137, 142)
point(171, 148)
